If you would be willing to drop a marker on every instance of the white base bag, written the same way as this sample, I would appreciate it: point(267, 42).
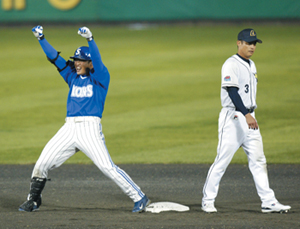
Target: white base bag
point(166, 206)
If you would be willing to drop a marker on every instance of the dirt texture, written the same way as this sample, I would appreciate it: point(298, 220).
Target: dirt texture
point(80, 196)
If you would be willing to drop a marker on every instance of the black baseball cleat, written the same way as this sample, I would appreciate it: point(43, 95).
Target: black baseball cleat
point(30, 205)
point(275, 207)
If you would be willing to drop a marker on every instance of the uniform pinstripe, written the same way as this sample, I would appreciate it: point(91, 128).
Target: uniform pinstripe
point(88, 81)
point(82, 129)
point(84, 134)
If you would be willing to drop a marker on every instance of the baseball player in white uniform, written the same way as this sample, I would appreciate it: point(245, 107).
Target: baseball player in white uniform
point(88, 81)
point(238, 126)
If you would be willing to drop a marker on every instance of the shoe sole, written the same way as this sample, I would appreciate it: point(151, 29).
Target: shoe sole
point(276, 211)
point(22, 210)
point(209, 211)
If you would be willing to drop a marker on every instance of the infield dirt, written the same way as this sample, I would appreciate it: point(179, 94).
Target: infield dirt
point(80, 196)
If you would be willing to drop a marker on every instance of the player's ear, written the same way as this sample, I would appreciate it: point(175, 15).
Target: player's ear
point(239, 43)
point(90, 64)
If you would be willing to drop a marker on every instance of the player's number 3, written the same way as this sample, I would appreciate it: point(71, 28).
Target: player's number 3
point(247, 88)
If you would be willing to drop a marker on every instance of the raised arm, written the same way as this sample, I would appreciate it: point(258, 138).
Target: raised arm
point(51, 53)
point(93, 48)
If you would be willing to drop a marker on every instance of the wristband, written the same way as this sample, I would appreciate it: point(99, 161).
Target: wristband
point(41, 38)
point(90, 38)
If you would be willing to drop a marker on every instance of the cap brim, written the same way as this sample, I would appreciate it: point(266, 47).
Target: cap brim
point(77, 58)
point(252, 40)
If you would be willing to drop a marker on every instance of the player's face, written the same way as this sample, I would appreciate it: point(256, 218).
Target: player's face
point(82, 65)
point(245, 49)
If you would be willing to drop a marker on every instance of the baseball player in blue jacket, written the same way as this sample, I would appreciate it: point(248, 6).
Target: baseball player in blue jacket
point(88, 81)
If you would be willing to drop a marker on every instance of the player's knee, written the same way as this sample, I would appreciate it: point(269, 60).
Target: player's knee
point(37, 172)
point(261, 159)
point(107, 170)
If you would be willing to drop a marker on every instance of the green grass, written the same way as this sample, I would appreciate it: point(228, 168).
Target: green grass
point(163, 102)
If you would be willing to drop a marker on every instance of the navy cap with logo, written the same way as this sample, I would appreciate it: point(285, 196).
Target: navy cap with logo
point(248, 35)
point(82, 53)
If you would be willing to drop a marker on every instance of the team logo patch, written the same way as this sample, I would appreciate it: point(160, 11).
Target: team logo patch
point(235, 117)
point(256, 77)
point(252, 33)
point(227, 78)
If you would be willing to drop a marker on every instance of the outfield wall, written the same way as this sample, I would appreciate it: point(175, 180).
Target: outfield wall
point(145, 10)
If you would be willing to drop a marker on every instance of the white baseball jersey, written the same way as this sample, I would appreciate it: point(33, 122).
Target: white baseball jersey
point(238, 73)
point(235, 133)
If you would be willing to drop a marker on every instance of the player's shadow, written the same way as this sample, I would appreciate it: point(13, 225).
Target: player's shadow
point(57, 208)
point(194, 207)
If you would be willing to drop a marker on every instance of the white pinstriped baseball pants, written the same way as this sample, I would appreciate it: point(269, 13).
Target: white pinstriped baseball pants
point(84, 134)
point(233, 134)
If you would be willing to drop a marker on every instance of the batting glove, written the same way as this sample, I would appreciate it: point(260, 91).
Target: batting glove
point(86, 33)
point(38, 32)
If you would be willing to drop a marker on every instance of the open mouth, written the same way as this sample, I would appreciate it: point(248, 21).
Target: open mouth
point(78, 69)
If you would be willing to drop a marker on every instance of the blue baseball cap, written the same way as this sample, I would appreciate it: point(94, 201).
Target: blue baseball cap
point(82, 53)
point(248, 35)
